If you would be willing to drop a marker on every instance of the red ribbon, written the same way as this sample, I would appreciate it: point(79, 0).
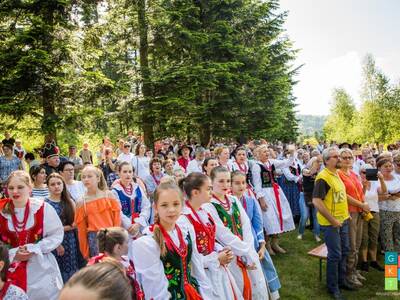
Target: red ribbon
point(182, 251)
point(278, 203)
point(3, 291)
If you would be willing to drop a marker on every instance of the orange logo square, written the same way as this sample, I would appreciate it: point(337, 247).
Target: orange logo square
point(390, 271)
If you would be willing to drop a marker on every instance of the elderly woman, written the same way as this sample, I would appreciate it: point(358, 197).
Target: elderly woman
point(277, 216)
point(389, 208)
point(374, 191)
point(356, 205)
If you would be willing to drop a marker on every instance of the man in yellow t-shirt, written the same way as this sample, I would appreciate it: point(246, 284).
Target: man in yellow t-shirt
point(329, 198)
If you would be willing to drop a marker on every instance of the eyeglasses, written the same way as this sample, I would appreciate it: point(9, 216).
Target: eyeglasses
point(346, 157)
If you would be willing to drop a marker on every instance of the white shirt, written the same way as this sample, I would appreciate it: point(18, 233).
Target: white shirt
point(137, 164)
point(371, 196)
point(125, 157)
point(393, 187)
point(194, 166)
point(76, 190)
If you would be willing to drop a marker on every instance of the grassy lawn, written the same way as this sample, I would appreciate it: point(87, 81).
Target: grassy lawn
point(299, 273)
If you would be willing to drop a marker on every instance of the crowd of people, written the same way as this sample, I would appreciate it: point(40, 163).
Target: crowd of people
point(187, 221)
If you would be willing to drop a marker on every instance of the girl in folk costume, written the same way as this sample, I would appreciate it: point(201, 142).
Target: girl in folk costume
point(103, 281)
point(113, 243)
point(32, 229)
point(68, 255)
point(253, 210)
point(167, 260)
point(242, 164)
point(222, 154)
point(227, 210)
point(197, 188)
point(134, 203)
point(292, 186)
point(97, 209)
point(153, 180)
point(8, 291)
point(209, 164)
point(277, 216)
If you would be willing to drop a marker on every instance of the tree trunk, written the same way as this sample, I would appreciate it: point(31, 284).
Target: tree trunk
point(49, 118)
point(205, 134)
point(145, 103)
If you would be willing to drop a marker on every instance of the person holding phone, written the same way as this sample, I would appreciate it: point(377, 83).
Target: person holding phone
point(374, 191)
point(389, 207)
point(329, 198)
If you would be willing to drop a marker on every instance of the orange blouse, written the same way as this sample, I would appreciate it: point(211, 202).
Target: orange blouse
point(94, 215)
point(353, 188)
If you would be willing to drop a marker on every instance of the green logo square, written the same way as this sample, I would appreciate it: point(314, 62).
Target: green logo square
point(391, 284)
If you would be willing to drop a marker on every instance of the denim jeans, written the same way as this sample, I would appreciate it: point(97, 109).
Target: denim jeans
point(305, 214)
point(337, 242)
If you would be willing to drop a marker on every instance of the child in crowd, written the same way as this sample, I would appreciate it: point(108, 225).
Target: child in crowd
point(228, 210)
point(8, 291)
point(98, 209)
point(167, 259)
point(253, 210)
point(31, 229)
point(102, 281)
point(68, 255)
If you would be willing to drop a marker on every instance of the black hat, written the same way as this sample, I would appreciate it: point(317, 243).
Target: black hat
point(344, 145)
point(50, 149)
point(185, 147)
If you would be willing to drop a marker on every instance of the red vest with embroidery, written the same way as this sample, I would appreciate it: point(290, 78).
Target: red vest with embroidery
point(205, 234)
point(29, 236)
point(17, 272)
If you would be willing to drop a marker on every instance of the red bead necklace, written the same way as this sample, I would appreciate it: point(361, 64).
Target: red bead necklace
point(19, 226)
point(182, 250)
point(226, 204)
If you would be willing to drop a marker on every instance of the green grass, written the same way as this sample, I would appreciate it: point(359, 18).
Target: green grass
point(299, 273)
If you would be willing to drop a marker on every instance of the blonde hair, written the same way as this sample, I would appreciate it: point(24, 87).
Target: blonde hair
point(102, 185)
point(257, 151)
point(219, 150)
point(157, 235)
point(25, 178)
point(346, 150)
point(107, 279)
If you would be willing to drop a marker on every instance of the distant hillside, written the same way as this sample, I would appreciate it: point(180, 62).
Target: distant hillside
point(309, 124)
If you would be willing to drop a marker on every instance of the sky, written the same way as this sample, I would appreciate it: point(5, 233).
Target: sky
point(333, 37)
